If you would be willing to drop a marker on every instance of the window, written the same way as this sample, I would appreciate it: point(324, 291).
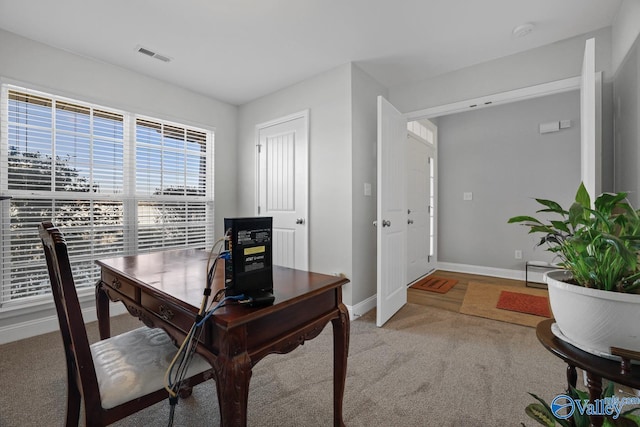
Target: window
point(114, 182)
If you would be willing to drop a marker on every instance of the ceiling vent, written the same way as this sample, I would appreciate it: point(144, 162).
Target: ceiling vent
point(152, 54)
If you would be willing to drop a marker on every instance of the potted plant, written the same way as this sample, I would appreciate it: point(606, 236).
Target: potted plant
point(568, 409)
point(594, 300)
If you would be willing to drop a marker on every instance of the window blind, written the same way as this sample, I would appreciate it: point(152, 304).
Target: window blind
point(111, 194)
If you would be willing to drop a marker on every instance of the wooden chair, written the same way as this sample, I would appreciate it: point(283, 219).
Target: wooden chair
point(115, 377)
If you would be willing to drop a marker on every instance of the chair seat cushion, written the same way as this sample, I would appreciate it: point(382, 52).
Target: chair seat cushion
point(134, 364)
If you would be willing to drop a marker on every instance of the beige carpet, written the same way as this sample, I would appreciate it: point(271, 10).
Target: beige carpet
point(481, 299)
point(426, 367)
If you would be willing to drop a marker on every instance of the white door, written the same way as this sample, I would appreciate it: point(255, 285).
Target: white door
point(283, 183)
point(590, 122)
point(421, 148)
point(392, 212)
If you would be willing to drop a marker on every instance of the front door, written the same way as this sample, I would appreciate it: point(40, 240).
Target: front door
point(283, 184)
point(421, 148)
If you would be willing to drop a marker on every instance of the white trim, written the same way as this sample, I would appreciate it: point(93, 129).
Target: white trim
point(551, 88)
point(482, 271)
point(362, 307)
point(43, 325)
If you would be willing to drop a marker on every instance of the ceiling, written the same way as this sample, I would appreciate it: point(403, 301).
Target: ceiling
point(239, 50)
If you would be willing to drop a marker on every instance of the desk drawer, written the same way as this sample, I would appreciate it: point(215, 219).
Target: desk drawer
point(168, 312)
point(119, 285)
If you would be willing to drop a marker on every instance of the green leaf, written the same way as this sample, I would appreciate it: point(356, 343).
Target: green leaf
point(561, 225)
point(540, 414)
point(580, 420)
point(577, 214)
point(582, 196)
point(633, 417)
point(607, 201)
point(551, 206)
point(610, 390)
point(523, 218)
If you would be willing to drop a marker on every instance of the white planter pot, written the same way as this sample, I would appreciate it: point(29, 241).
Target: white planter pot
point(591, 319)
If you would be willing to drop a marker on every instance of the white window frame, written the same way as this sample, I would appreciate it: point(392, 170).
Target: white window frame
point(129, 197)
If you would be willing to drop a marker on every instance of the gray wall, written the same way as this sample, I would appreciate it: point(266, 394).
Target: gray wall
point(627, 118)
point(328, 97)
point(342, 157)
point(499, 155)
point(365, 91)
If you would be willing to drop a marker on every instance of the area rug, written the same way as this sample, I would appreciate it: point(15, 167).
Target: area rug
point(481, 299)
point(437, 284)
point(524, 303)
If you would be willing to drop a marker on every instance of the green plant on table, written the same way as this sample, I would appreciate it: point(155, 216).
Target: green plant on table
point(543, 414)
point(599, 245)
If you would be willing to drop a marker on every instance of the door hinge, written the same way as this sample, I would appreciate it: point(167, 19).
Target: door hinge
point(259, 148)
point(258, 210)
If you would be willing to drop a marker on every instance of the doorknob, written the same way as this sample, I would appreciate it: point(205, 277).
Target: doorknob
point(300, 221)
point(375, 223)
point(386, 223)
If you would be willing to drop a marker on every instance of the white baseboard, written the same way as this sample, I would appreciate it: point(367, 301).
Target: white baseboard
point(482, 271)
point(362, 307)
point(534, 276)
point(43, 325)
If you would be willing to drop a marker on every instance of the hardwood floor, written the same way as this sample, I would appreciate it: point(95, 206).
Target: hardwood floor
point(452, 300)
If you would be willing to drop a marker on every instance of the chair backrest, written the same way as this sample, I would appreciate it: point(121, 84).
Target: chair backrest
point(74, 334)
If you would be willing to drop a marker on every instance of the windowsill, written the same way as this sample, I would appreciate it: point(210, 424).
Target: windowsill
point(85, 296)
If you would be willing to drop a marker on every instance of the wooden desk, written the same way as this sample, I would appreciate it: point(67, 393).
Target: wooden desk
point(595, 367)
point(164, 290)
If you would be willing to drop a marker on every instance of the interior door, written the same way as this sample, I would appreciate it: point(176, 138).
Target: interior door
point(590, 122)
point(283, 184)
point(420, 199)
point(392, 212)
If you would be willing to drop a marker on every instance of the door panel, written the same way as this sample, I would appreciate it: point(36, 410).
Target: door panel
point(392, 212)
point(283, 186)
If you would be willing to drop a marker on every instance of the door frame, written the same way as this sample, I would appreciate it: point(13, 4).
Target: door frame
point(529, 92)
point(304, 115)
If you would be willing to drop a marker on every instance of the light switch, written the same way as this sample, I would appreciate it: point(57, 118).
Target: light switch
point(549, 127)
point(467, 196)
point(367, 189)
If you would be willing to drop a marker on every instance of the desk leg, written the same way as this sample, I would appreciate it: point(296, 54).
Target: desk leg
point(340, 354)
point(594, 384)
point(102, 311)
point(233, 372)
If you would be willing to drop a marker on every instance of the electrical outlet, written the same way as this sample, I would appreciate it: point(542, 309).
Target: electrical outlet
point(518, 254)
